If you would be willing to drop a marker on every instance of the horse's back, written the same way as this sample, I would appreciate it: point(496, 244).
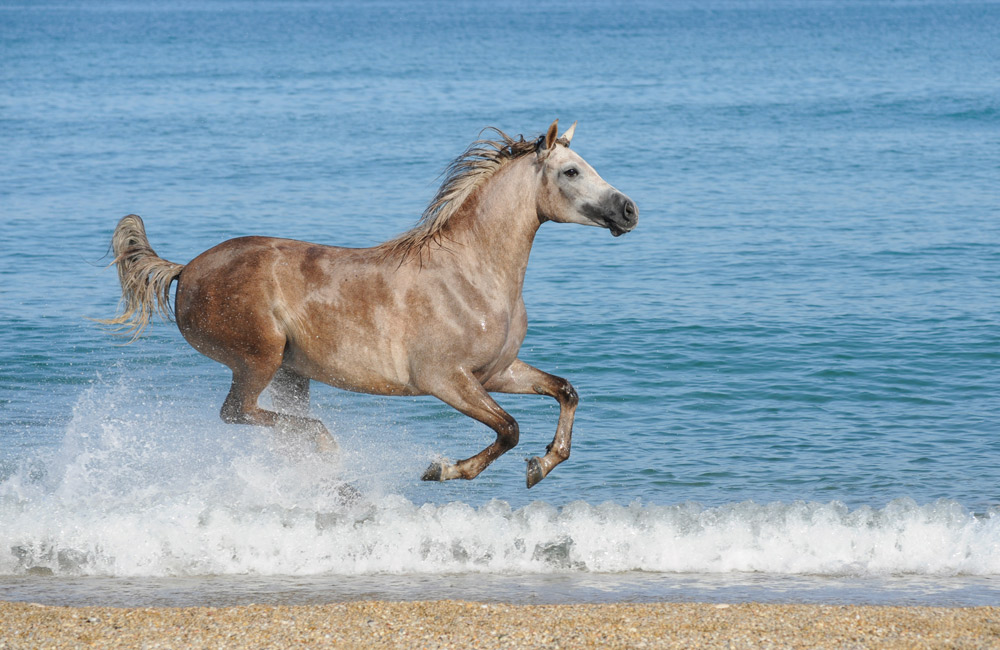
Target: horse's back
point(347, 317)
point(236, 275)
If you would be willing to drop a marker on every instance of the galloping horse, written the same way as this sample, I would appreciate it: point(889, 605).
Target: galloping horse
point(436, 311)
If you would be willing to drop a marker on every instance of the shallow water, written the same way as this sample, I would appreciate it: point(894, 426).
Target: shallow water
point(788, 373)
point(531, 589)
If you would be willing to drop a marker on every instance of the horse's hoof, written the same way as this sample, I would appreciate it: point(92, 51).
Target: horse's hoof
point(434, 472)
point(534, 472)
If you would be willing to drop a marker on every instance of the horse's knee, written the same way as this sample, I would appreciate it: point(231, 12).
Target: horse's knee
point(508, 434)
point(567, 395)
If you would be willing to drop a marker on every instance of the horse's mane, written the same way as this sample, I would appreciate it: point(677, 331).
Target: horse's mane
point(467, 173)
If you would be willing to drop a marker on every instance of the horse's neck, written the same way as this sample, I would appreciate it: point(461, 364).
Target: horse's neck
point(495, 230)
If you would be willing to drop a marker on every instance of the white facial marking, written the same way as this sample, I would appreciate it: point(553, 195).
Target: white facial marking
point(573, 185)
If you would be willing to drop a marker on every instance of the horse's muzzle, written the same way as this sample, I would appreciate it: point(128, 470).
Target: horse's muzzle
point(624, 217)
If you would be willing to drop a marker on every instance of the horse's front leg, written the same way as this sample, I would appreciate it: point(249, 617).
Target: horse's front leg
point(464, 393)
point(522, 378)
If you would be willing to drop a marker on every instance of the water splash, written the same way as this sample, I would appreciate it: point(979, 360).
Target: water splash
point(149, 489)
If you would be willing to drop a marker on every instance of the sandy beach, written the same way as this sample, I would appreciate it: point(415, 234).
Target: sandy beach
point(454, 624)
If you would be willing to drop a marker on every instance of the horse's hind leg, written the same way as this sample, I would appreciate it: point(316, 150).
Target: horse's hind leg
point(250, 378)
point(522, 378)
point(290, 392)
point(290, 396)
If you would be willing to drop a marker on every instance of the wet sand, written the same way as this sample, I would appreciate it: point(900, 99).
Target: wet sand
point(454, 624)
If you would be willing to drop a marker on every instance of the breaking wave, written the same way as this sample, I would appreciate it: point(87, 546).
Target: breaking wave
point(116, 501)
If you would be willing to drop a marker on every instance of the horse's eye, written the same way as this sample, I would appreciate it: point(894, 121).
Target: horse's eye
point(571, 172)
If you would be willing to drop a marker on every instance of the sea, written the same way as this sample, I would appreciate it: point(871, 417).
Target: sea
point(789, 372)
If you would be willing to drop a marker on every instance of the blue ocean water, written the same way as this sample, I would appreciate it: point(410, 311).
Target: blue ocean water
point(788, 372)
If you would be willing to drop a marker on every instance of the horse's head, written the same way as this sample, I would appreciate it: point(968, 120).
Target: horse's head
point(570, 191)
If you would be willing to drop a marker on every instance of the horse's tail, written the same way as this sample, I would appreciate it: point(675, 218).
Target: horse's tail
point(145, 278)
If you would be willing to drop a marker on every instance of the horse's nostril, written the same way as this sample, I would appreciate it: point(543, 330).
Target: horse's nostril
point(630, 211)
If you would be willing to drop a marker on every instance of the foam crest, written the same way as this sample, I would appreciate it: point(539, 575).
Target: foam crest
point(127, 495)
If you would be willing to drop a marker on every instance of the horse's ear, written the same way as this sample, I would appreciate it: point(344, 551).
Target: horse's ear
point(550, 137)
point(567, 137)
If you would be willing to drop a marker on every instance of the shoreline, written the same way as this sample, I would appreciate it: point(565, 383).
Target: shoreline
point(468, 624)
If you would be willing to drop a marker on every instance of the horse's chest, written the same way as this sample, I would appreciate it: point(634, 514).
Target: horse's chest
point(497, 341)
point(456, 325)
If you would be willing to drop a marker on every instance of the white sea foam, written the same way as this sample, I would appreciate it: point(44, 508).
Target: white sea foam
point(115, 502)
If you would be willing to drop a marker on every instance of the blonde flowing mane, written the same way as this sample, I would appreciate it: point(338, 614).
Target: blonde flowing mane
point(467, 173)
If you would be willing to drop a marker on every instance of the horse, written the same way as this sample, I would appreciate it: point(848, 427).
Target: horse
point(436, 311)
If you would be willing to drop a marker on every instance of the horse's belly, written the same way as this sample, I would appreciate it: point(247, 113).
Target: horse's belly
point(359, 366)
